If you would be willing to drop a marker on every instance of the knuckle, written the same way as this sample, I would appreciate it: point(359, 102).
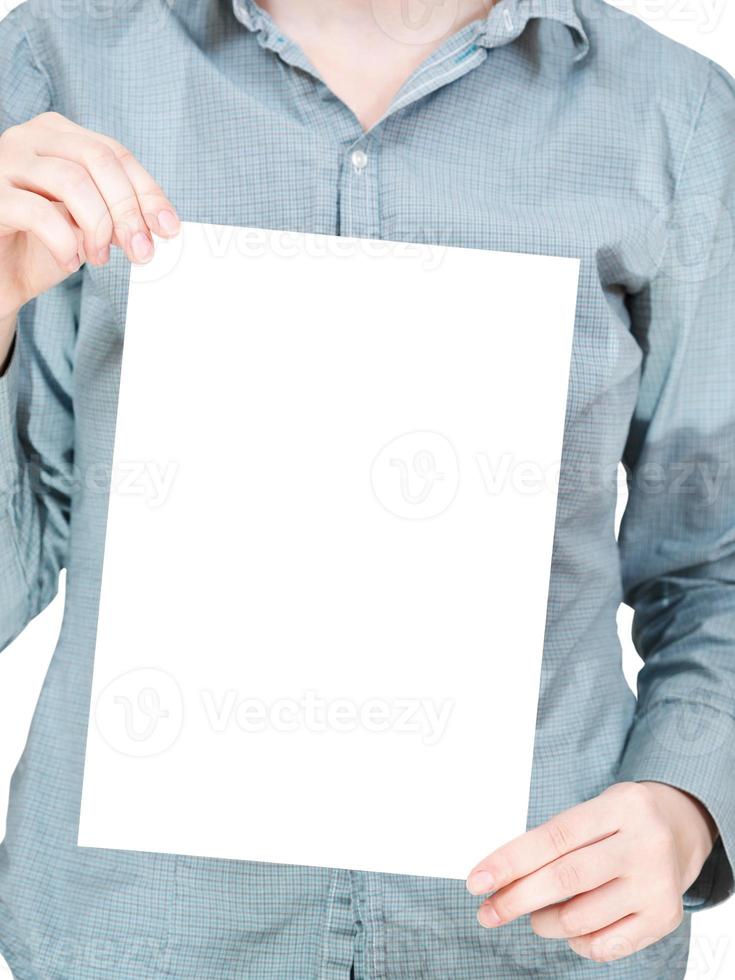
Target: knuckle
point(10, 134)
point(128, 212)
point(100, 156)
point(600, 950)
point(630, 794)
point(116, 147)
point(15, 140)
point(74, 176)
point(567, 877)
point(570, 922)
point(128, 222)
point(559, 836)
point(49, 117)
point(104, 228)
point(123, 154)
point(635, 802)
point(153, 201)
point(598, 953)
point(661, 841)
point(505, 909)
point(674, 917)
point(647, 808)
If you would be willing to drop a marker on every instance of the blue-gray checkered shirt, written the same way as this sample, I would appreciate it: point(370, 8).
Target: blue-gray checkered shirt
point(553, 126)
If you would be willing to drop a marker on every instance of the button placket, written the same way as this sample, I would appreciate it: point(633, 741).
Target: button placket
point(359, 160)
point(358, 200)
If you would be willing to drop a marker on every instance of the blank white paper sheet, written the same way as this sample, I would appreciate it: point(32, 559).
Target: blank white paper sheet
point(328, 551)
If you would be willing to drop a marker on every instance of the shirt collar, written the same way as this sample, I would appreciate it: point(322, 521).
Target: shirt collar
point(566, 12)
point(506, 20)
point(250, 14)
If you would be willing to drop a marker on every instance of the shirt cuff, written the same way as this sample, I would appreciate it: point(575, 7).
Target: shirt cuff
point(9, 465)
point(13, 587)
point(691, 745)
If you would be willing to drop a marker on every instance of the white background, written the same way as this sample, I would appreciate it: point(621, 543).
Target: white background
point(709, 27)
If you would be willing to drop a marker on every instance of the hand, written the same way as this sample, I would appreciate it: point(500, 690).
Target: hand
point(608, 875)
point(67, 195)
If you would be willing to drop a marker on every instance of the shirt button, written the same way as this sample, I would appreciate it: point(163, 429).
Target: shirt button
point(359, 160)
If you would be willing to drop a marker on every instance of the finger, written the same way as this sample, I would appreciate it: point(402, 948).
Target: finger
point(574, 873)
point(588, 912)
point(629, 935)
point(71, 184)
point(130, 228)
point(578, 827)
point(24, 211)
point(159, 212)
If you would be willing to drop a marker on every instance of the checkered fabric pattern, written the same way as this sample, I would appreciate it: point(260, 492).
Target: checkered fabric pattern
point(561, 127)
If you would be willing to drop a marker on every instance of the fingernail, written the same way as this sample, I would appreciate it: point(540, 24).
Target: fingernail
point(103, 255)
point(168, 222)
point(488, 917)
point(75, 264)
point(480, 883)
point(142, 247)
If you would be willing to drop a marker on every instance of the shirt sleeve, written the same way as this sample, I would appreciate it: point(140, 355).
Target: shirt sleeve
point(677, 538)
point(36, 413)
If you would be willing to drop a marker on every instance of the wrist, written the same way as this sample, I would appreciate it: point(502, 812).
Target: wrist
point(693, 828)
